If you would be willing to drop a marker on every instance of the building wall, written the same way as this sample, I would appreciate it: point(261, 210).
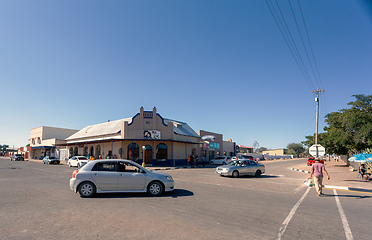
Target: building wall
point(229, 148)
point(281, 151)
point(146, 120)
point(211, 152)
point(41, 136)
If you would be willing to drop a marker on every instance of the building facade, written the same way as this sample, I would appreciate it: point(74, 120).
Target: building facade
point(43, 140)
point(146, 136)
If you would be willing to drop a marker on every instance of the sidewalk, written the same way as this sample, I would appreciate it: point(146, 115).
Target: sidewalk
point(341, 177)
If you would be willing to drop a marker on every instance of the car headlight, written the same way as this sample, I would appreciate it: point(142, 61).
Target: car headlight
point(169, 178)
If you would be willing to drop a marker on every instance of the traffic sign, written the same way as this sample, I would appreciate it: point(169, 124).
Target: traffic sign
point(317, 150)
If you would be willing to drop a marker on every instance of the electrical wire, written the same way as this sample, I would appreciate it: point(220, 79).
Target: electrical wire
point(289, 44)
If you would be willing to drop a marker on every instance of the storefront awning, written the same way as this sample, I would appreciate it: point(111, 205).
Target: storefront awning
point(41, 147)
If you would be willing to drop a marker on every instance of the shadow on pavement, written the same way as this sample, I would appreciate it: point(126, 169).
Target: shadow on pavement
point(347, 196)
point(174, 194)
point(262, 176)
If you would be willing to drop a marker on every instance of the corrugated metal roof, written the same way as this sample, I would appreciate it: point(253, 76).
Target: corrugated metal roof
point(181, 128)
point(114, 127)
point(106, 128)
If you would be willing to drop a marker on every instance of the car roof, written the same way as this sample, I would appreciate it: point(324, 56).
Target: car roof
point(93, 162)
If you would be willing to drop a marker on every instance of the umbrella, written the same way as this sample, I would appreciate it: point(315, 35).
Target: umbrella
point(361, 157)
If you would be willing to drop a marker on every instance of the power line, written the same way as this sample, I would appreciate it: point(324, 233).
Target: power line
point(289, 43)
point(311, 48)
point(303, 43)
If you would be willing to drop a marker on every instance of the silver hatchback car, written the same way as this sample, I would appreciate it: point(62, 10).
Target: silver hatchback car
point(119, 175)
point(241, 167)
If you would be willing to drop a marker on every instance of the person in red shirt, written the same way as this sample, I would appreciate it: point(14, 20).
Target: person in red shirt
point(317, 170)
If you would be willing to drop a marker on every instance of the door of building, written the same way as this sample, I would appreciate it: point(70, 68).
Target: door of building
point(148, 156)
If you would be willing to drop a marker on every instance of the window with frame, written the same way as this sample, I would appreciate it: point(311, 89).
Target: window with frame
point(161, 151)
point(105, 167)
point(127, 167)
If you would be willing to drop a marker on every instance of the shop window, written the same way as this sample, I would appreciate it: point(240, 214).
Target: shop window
point(38, 140)
point(161, 151)
point(71, 151)
point(133, 152)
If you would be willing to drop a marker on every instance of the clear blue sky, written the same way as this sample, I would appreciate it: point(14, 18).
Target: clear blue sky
point(221, 66)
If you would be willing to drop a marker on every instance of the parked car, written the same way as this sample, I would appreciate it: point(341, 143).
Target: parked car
point(241, 167)
point(17, 157)
point(119, 175)
point(220, 160)
point(311, 160)
point(242, 158)
point(50, 160)
point(77, 161)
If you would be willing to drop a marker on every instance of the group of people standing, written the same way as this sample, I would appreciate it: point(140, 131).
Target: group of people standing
point(194, 160)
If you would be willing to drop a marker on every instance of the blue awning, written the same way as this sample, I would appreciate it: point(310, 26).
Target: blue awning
point(41, 147)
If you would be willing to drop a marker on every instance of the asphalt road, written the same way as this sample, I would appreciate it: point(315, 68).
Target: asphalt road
point(36, 203)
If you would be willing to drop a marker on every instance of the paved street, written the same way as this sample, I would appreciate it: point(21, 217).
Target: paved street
point(36, 203)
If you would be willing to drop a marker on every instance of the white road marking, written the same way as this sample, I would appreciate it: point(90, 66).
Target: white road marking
point(348, 234)
point(291, 214)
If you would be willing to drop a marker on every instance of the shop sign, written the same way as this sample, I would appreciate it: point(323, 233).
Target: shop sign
point(214, 145)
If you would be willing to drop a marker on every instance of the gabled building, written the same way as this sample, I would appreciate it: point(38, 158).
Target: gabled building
point(43, 140)
point(146, 135)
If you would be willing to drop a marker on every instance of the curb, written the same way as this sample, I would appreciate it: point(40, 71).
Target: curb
point(299, 170)
point(335, 187)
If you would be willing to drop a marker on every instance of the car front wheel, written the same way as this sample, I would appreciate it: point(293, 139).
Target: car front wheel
point(87, 189)
point(235, 174)
point(155, 189)
point(258, 173)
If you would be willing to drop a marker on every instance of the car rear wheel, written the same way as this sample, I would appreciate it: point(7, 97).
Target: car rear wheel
point(235, 174)
point(87, 189)
point(258, 173)
point(155, 189)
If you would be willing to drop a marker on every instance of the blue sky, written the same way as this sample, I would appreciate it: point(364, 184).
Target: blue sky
point(221, 66)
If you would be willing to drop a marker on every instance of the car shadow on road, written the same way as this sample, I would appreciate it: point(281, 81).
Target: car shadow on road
point(174, 194)
point(262, 176)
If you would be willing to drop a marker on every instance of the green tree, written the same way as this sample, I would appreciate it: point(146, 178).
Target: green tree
point(261, 149)
point(348, 131)
point(295, 149)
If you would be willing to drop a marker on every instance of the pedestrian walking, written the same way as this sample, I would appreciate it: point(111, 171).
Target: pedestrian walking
point(363, 172)
point(197, 160)
point(317, 170)
point(203, 161)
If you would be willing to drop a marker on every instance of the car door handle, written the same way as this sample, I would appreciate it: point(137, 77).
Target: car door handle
point(95, 174)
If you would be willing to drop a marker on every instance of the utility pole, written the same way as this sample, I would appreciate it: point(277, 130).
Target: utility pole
point(317, 118)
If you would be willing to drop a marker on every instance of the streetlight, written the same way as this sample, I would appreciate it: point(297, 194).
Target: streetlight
point(144, 151)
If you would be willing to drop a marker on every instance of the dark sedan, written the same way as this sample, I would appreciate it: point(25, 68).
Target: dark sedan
point(17, 157)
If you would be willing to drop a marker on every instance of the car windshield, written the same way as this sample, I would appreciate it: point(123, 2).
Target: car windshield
point(234, 163)
point(18, 155)
point(82, 158)
point(220, 158)
point(52, 158)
